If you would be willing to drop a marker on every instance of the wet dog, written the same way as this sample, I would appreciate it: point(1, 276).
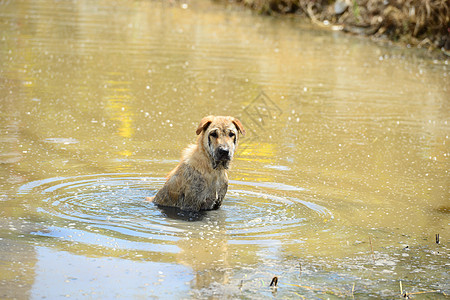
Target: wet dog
point(200, 181)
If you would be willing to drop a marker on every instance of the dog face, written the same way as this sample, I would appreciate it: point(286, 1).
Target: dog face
point(219, 137)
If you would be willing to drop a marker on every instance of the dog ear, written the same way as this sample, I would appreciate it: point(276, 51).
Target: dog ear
point(239, 126)
point(204, 123)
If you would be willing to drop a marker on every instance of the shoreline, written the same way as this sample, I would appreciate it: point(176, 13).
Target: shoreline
point(412, 23)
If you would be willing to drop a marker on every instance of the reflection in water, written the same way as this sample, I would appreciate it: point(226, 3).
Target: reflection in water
point(117, 103)
point(207, 253)
point(20, 261)
point(106, 215)
point(178, 214)
point(85, 276)
point(344, 170)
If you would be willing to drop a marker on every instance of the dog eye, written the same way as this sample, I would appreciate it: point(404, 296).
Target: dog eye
point(231, 134)
point(213, 134)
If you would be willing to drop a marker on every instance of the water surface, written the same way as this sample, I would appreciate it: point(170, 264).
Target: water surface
point(339, 188)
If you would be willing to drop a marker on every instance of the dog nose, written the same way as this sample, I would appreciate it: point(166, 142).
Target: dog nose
point(223, 152)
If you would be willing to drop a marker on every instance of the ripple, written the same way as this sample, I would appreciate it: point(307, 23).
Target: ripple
point(264, 216)
point(108, 210)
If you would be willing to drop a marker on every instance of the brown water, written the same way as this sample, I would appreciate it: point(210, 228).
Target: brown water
point(338, 189)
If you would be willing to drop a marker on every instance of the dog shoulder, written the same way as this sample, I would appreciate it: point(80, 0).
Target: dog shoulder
point(169, 194)
point(188, 152)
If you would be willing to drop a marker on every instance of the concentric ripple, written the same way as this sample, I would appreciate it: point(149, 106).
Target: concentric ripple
point(109, 211)
point(262, 213)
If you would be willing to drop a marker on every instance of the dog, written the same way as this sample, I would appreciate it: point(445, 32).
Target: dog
point(199, 182)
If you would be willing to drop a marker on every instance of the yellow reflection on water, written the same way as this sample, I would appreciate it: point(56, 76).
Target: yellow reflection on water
point(118, 99)
point(253, 151)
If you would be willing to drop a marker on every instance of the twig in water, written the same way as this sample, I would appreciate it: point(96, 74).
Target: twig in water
point(304, 287)
point(241, 284)
point(371, 247)
point(426, 292)
point(299, 295)
point(407, 295)
point(274, 281)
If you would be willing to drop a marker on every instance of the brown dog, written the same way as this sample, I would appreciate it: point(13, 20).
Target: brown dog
point(200, 181)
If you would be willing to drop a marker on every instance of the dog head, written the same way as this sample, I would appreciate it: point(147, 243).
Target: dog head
point(219, 137)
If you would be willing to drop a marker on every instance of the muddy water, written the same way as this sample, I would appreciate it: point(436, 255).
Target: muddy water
point(339, 187)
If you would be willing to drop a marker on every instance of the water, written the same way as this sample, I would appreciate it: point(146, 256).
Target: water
point(338, 189)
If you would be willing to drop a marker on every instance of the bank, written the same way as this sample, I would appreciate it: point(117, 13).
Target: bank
point(413, 23)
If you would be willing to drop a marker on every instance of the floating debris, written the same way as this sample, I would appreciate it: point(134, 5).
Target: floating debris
point(274, 282)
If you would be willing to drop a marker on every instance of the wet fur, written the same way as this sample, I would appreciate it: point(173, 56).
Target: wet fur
point(200, 181)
